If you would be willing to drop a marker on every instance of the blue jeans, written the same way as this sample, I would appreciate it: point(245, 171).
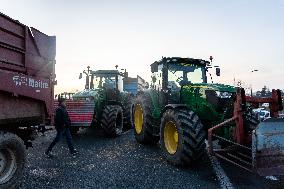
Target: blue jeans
point(60, 133)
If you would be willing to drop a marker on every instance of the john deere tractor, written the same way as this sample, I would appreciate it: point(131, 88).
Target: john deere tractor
point(102, 103)
point(179, 107)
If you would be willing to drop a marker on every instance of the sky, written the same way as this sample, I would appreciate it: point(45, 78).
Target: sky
point(241, 36)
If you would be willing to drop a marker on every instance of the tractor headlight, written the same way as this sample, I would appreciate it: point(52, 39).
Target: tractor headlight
point(223, 94)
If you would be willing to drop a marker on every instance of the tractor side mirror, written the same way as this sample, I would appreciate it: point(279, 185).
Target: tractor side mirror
point(80, 76)
point(154, 67)
point(218, 71)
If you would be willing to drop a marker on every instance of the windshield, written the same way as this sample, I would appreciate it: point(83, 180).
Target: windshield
point(179, 74)
point(108, 82)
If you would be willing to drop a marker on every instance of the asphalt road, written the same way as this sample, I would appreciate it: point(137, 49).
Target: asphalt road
point(122, 163)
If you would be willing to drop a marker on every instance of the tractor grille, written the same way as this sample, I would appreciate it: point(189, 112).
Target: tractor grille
point(226, 105)
point(81, 112)
point(223, 105)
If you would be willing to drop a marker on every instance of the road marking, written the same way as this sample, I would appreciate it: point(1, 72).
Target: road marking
point(223, 179)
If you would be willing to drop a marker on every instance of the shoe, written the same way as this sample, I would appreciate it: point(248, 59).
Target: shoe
point(75, 152)
point(48, 154)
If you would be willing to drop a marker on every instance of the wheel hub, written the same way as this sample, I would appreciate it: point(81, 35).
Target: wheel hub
point(138, 118)
point(171, 137)
point(8, 165)
point(176, 136)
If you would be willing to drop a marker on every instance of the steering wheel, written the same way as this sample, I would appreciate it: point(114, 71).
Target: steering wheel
point(179, 79)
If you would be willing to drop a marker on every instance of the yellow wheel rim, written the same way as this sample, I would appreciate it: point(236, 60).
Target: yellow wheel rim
point(171, 137)
point(138, 118)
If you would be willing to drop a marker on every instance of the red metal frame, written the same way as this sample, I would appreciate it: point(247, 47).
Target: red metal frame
point(240, 137)
point(274, 105)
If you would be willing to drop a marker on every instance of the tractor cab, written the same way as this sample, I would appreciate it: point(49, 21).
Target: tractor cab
point(173, 73)
point(108, 79)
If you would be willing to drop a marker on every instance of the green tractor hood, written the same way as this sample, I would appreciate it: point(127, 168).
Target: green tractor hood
point(213, 86)
point(87, 93)
point(213, 107)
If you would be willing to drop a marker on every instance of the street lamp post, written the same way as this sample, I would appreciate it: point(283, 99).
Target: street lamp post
point(252, 71)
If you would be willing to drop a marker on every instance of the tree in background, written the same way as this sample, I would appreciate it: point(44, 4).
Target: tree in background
point(265, 92)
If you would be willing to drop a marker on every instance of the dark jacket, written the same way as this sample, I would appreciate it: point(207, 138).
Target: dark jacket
point(61, 119)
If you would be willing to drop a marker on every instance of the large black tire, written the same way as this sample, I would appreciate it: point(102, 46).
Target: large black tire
point(127, 121)
point(112, 120)
point(186, 143)
point(12, 160)
point(144, 123)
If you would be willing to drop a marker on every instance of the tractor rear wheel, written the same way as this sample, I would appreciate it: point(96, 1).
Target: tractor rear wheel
point(143, 120)
point(12, 160)
point(182, 136)
point(112, 120)
point(127, 122)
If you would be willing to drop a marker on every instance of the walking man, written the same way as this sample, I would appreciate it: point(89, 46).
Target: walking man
point(62, 123)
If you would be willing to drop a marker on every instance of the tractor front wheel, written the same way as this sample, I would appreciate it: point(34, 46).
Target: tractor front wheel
point(143, 121)
point(127, 122)
point(182, 136)
point(112, 120)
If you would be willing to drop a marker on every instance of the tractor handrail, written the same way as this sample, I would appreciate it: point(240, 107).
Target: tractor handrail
point(210, 132)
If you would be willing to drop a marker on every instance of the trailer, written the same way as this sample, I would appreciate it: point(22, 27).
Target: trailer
point(134, 85)
point(27, 75)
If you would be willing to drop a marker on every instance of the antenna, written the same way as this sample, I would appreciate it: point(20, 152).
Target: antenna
point(211, 58)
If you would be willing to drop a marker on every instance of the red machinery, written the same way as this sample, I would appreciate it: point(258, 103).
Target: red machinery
point(27, 61)
point(259, 150)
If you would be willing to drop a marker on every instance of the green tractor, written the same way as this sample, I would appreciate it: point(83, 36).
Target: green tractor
point(182, 110)
point(179, 107)
point(102, 103)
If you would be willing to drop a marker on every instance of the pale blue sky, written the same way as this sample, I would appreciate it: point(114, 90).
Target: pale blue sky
point(240, 35)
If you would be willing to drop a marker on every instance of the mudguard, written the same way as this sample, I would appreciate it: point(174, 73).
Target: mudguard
point(268, 147)
point(172, 106)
